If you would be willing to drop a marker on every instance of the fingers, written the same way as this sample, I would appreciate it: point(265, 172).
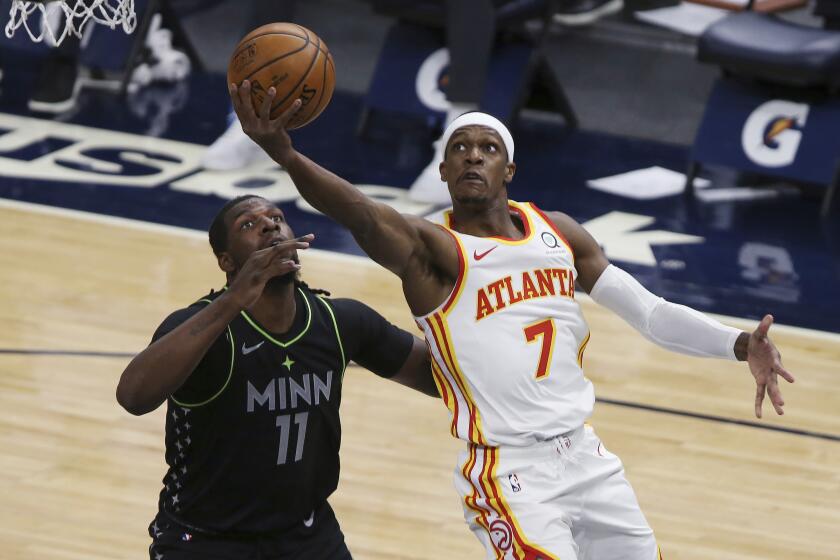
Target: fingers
point(776, 398)
point(301, 242)
point(265, 108)
point(240, 97)
point(283, 267)
point(764, 326)
point(786, 375)
point(759, 399)
point(290, 112)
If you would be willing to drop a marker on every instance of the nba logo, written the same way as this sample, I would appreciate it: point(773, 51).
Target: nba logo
point(514, 483)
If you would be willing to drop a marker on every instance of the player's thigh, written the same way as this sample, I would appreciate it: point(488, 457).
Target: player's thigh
point(506, 508)
point(612, 525)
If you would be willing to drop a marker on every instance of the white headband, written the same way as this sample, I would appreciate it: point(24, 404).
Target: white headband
point(475, 118)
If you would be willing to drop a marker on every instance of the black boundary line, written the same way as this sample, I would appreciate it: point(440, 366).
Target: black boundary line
point(614, 402)
point(73, 353)
point(721, 419)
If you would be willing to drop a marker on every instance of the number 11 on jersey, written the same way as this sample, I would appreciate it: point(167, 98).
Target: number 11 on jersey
point(544, 329)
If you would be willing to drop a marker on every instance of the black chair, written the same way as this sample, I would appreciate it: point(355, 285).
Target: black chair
point(768, 49)
point(781, 59)
point(512, 19)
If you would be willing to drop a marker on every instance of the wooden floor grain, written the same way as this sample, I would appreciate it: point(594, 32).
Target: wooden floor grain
point(80, 477)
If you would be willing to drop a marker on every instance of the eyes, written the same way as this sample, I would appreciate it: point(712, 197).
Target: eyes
point(248, 223)
point(488, 147)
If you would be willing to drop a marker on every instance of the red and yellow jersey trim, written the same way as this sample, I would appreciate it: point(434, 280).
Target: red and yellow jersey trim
point(487, 500)
point(441, 340)
point(458, 288)
point(515, 208)
point(582, 349)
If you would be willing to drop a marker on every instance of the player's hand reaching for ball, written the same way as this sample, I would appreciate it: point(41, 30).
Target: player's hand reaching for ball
point(269, 134)
point(265, 264)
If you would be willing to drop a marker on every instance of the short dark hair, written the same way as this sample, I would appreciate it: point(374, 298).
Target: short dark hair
point(218, 228)
point(218, 236)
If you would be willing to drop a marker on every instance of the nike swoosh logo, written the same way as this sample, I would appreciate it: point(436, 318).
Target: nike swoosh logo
point(478, 256)
point(248, 349)
point(311, 521)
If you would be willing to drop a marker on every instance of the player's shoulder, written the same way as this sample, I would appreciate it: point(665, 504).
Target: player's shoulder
point(565, 223)
point(437, 217)
point(346, 308)
point(178, 316)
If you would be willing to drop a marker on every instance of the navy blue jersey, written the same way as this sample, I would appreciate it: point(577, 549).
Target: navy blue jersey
point(252, 437)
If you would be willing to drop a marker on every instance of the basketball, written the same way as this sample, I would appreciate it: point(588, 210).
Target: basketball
point(292, 59)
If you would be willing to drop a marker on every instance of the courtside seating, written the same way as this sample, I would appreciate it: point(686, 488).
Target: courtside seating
point(777, 59)
point(536, 79)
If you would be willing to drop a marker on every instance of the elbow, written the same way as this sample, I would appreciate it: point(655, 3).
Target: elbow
point(130, 401)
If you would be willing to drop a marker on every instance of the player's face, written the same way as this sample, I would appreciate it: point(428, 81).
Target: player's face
point(252, 225)
point(475, 165)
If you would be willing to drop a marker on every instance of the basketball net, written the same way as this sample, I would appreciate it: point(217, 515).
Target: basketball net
point(55, 19)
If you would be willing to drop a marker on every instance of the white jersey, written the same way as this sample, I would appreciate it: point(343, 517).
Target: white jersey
point(507, 344)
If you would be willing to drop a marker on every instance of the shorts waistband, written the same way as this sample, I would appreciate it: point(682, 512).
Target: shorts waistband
point(558, 446)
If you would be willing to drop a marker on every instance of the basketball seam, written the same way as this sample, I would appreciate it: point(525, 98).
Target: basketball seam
point(317, 110)
point(238, 50)
point(305, 31)
point(270, 62)
point(314, 110)
point(302, 78)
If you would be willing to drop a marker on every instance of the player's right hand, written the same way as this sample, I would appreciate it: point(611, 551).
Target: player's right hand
point(269, 134)
point(265, 264)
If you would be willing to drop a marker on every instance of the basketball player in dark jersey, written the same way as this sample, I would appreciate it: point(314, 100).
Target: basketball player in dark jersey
point(252, 379)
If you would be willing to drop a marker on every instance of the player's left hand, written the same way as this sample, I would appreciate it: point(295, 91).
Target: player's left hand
point(270, 134)
point(766, 365)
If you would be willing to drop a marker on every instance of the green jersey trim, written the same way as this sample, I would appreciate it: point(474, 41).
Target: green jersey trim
point(227, 381)
point(337, 335)
point(274, 340)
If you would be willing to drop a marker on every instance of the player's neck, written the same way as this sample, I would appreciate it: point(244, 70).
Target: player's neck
point(491, 220)
point(276, 308)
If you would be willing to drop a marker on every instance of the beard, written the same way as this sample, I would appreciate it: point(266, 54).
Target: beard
point(282, 281)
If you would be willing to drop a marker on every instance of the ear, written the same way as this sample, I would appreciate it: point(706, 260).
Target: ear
point(226, 262)
point(442, 169)
point(510, 171)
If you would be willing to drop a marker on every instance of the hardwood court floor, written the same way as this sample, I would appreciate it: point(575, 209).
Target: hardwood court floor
point(80, 476)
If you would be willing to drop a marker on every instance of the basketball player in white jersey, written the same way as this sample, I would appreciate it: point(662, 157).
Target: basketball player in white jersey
point(493, 289)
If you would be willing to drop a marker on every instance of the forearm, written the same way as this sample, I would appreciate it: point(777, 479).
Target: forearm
point(159, 370)
point(382, 232)
point(330, 194)
point(675, 327)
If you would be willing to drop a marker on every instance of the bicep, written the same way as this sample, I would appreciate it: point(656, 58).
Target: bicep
point(590, 260)
point(390, 238)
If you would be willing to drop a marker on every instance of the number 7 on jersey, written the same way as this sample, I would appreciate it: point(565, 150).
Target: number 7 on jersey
point(544, 329)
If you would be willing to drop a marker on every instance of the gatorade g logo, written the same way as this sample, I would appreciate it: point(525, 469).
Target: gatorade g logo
point(432, 79)
point(772, 132)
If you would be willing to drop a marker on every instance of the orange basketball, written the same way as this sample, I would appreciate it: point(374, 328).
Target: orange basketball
point(292, 59)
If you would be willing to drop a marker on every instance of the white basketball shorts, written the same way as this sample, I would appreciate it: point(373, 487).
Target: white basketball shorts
point(563, 499)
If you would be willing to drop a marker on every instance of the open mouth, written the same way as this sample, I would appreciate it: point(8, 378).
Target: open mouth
point(472, 176)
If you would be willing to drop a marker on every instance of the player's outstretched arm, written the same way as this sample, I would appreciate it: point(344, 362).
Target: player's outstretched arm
point(158, 371)
point(675, 327)
point(384, 234)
